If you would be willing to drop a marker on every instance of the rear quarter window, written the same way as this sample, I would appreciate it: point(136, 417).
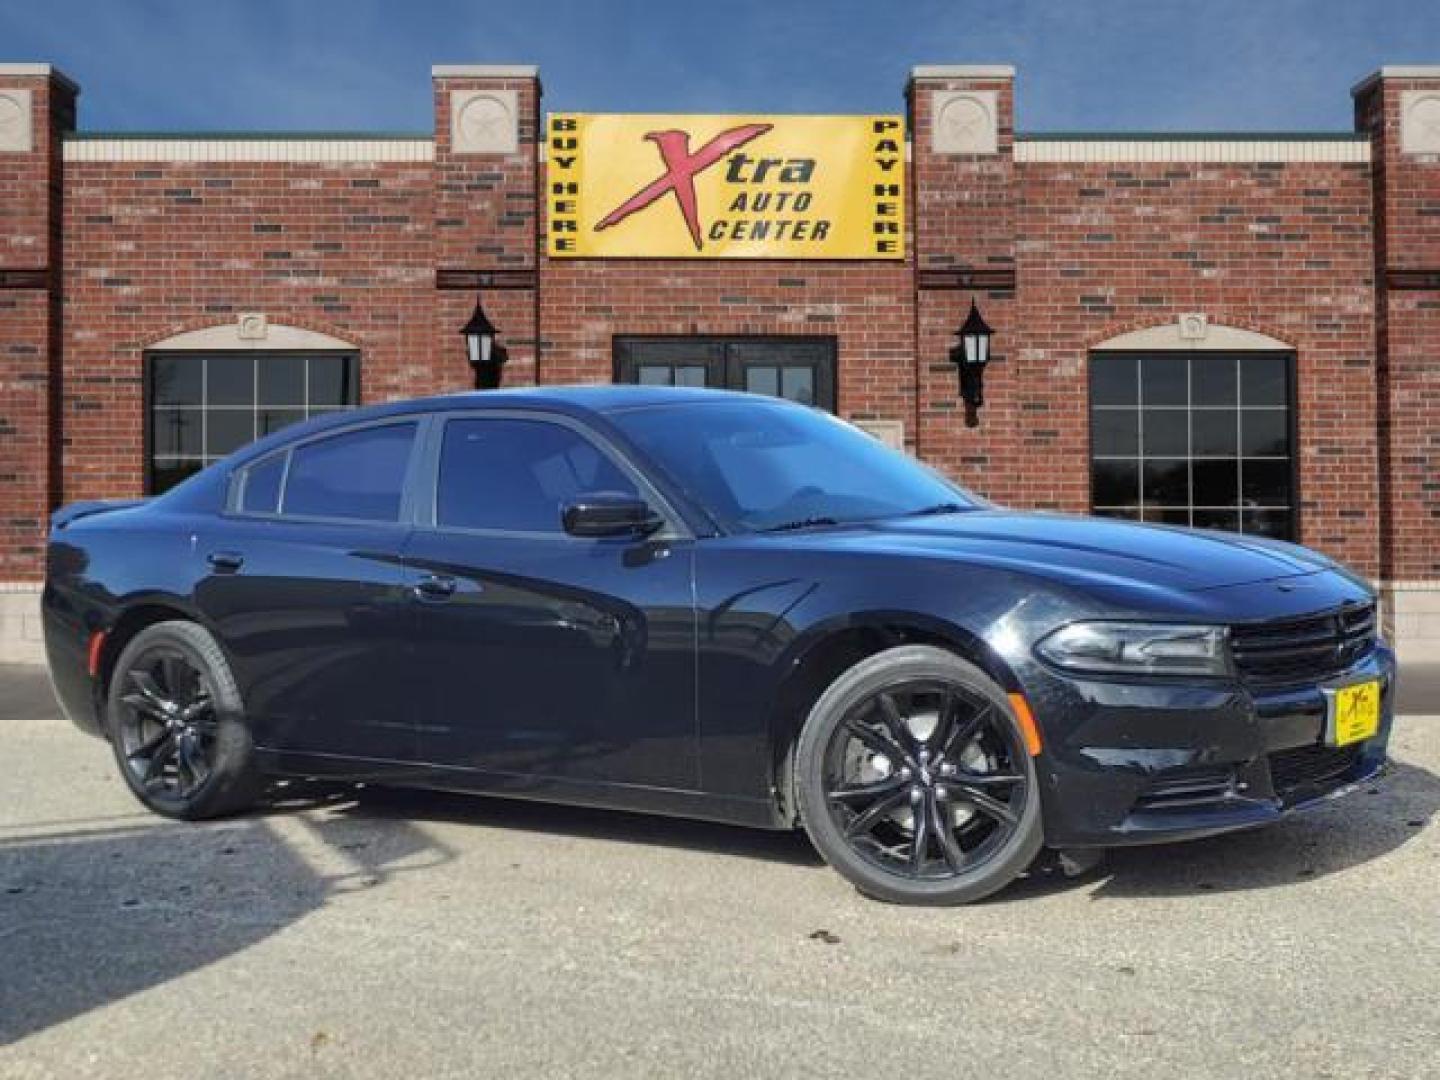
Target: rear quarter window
point(260, 486)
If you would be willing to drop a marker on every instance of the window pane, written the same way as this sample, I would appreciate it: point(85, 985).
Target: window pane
point(1113, 380)
point(1129, 513)
point(1265, 432)
point(1165, 432)
point(1167, 515)
point(798, 384)
point(272, 420)
point(690, 376)
point(1212, 381)
point(1115, 483)
point(1166, 481)
point(1278, 524)
point(518, 475)
point(1116, 432)
point(227, 430)
point(166, 474)
point(1228, 520)
point(655, 375)
point(281, 381)
point(1163, 380)
point(1212, 433)
point(360, 474)
point(176, 380)
point(260, 493)
point(332, 381)
point(1265, 483)
point(762, 380)
point(230, 381)
point(1264, 379)
point(176, 432)
point(1217, 483)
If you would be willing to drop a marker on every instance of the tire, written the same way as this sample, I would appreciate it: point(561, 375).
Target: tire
point(177, 725)
point(985, 794)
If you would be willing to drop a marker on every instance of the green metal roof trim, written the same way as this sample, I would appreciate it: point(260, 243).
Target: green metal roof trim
point(1191, 136)
point(251, 136)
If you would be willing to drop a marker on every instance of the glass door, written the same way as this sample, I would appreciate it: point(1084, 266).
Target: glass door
point(800, 369)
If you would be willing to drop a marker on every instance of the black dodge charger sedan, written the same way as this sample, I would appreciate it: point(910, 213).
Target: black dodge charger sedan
point(712, 605)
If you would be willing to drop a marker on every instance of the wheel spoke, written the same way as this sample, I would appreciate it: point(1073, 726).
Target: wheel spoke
point(867, 791)
point(984, 802)
point(192, 773)
point(141, 703)
point(920, 845)
point(981, 779)
point(961, 734)
point(163, 752)
point(151, 692)
point(875, 813)
point(877, 741)
point(894, 720)
point(954, 853)
point(148, 747)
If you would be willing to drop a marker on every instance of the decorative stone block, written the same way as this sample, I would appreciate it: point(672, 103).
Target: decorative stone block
point(16, 128)
point(965, 122)
point(484, 122)
point(252, 326)
point(1420, 122)
point(1194, 326)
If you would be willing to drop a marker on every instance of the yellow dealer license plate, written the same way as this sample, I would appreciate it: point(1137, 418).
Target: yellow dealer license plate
point(1354, 713)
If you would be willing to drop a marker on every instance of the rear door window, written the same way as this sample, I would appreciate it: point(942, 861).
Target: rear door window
point(357, 475)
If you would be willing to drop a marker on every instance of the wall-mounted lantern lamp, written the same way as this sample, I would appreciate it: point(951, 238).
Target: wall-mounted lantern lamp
point(486, 355)
point(970, 356)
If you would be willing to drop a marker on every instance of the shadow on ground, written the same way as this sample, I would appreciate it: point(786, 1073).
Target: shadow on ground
point(92, 912)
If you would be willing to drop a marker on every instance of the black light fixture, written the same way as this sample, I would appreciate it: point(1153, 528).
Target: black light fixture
point(486, 355)
point(970, 356)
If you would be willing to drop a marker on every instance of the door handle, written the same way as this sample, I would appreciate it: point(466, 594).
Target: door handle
point(225, 562)
point(434, 587)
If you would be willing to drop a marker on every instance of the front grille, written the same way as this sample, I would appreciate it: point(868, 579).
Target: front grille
point(1303, 650)
point(1310, 765)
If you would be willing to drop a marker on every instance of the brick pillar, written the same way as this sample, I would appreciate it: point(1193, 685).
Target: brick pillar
point(1400, 108)
point(963, 207)
point(37, 105)
point(486, 206)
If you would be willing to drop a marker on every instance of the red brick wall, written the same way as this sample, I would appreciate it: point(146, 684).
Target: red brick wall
point(1064, 257)
point(1101, 249)
point(30, 252)
point(1407, 209)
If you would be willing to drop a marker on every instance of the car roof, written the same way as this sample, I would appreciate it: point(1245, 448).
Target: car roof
point(591, 398)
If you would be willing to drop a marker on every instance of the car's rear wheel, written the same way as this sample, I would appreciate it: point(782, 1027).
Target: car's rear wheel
point(177, 725)
point(914, 780)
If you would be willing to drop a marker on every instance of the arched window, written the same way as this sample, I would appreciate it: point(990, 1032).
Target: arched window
point(207, 393)
point(1198, 436)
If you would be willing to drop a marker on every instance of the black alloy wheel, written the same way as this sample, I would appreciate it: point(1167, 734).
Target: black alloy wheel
point(176, 725)
point(915, 780)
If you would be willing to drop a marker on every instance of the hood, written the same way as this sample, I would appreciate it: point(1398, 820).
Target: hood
point(1085, 550)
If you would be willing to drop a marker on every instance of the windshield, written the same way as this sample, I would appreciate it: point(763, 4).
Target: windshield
point(763, 466)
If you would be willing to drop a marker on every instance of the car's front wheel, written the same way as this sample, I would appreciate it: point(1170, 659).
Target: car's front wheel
point(177, 725)
point(914, 780)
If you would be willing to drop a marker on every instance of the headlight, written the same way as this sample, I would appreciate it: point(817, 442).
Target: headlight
point(1124, 648)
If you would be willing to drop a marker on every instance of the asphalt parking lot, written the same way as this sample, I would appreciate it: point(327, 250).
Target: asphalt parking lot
point(408, 934)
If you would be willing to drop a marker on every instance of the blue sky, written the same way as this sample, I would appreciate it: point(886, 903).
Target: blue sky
point(364, 64)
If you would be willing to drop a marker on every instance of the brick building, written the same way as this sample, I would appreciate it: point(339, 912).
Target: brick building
point(1236, 331)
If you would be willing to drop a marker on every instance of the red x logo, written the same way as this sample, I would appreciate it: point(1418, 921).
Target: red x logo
point(681, 168)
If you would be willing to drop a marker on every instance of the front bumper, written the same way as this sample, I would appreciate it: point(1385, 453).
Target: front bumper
point(1135, 763)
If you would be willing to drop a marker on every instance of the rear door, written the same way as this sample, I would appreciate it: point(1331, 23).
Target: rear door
point(548, 655)
point(306, 589)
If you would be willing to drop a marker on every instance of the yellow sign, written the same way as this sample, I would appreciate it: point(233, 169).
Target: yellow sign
point(725, 187)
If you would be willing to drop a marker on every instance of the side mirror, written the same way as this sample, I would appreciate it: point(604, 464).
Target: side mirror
point(608, 514)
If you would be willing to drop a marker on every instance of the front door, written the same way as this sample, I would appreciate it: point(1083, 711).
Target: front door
point(800, 369)
point(548, 655)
